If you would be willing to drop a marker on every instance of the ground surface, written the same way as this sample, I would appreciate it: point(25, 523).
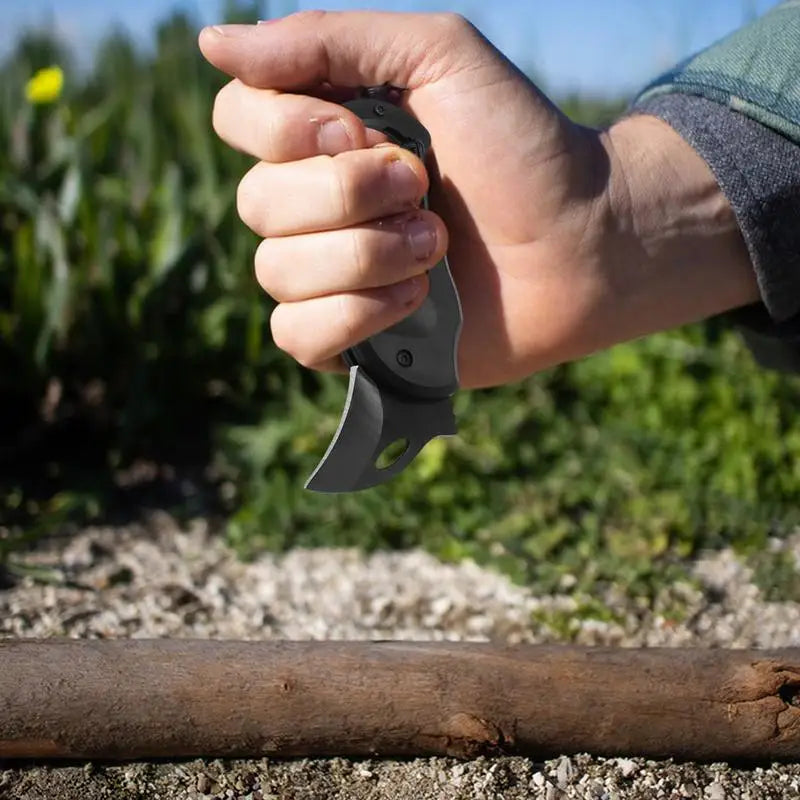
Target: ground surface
point(155, 580)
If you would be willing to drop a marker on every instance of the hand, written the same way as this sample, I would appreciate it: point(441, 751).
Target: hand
point(562, 239)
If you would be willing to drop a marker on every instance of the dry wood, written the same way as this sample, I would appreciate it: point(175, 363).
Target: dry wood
point(117, 700)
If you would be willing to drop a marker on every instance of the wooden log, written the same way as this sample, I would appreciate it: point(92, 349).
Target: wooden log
point(131, 699)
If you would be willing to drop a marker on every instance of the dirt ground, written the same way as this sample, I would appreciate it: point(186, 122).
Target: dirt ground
point(158, 580)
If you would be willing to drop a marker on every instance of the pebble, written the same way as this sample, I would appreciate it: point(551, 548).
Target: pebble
point(627, 766)
point(565, 772)
point(715, 791)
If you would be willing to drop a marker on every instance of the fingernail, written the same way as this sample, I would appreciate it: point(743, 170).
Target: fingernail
point(404, 181)
point(233, 31)
point(269, 21)
point(406, 292)
point(333, 138)
point(421, 238)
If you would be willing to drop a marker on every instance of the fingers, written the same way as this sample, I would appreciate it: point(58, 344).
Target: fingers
point(325, 193)
point(286, 127)
point(337, 288)
point(377, 254)
point(356, 48)
point(323, 179)
point(315, 331)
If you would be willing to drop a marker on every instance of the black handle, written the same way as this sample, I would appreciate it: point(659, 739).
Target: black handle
point(417, 356)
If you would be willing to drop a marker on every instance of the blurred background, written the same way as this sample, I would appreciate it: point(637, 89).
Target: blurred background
point(137, 370)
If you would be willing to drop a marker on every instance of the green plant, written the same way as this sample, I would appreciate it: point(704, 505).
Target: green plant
point(612, 469)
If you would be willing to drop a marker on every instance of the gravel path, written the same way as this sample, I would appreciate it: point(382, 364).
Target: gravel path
point(155, 580)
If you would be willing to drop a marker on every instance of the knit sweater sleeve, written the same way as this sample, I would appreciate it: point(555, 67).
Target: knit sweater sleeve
point(738, 105)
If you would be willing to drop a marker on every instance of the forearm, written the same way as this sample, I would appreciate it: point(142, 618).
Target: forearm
point(738, 105)
point(675, 253)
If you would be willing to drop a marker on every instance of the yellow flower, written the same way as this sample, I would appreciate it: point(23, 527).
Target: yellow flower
point(45, 86)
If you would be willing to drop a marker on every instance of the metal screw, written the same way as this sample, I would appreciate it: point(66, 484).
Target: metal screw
point(380, 110)
point(404, 358)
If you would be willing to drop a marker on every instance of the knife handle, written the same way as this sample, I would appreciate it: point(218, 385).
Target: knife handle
point(416, 356)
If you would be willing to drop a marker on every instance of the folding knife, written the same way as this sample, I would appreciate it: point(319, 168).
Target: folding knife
point(401, 380)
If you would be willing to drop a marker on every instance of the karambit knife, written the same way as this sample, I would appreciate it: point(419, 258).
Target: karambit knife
point(402, 379)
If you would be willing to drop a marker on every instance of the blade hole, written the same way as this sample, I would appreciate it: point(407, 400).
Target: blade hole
point(391, 453)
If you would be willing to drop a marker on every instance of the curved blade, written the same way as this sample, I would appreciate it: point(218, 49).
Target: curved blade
point(371, 421)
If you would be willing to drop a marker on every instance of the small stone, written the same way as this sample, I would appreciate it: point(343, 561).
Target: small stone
point(715, 791)
point(440, 606)
point(627, 766)
point(565, 772)
point(363, 772)
point(538, 779)
point(203, 783)
point(597, 791)
point(688, 789)
point(552, 793)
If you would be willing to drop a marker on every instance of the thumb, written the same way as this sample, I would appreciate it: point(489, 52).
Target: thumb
point(351, 48)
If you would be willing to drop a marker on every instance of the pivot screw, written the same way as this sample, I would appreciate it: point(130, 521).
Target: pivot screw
point(404, 358)
point(380, 110)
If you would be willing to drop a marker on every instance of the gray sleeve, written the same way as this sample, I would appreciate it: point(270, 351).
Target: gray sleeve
point(759, 172)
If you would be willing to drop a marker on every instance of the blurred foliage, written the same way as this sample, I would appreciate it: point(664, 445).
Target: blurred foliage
point(597, 112)
point(131, 328)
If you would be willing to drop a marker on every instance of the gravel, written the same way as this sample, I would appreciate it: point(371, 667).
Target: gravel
point(154, 580)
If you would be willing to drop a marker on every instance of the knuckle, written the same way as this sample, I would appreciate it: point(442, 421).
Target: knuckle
point(277, 329)
point(266, 274)
point(243, 201)
point(221, 108)
point(306, 360)
point(247, 206)
point(284, 334)
point(453, 23)
point(451, 34)
point(282, 331)
point(309, 16)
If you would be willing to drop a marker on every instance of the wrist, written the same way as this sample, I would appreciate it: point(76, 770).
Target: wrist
point(674, 253)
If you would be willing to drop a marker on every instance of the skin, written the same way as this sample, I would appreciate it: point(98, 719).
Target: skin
point(562, 239)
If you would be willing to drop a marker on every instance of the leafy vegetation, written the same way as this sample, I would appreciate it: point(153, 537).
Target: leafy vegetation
point(131, 329)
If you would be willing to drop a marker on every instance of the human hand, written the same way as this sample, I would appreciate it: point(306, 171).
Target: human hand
point(562, 239)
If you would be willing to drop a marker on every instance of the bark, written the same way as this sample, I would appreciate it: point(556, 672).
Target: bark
point(132, 699)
